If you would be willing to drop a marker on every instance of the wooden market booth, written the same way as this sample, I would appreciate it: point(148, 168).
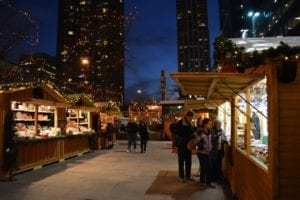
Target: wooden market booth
point(39, 112)
point(268, 170)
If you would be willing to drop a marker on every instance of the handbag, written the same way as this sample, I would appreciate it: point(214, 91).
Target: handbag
point(193, 141)
point(191, 145)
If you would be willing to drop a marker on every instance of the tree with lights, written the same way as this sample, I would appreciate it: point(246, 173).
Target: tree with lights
point(17, 31)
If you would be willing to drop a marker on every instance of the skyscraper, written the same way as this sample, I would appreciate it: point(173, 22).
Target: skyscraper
point(231, 17)
point(91, 45)
point(192, 36)
point(260, 17)
point(278, 18)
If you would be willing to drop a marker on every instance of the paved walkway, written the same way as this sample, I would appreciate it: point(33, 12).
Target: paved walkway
point(109, 175)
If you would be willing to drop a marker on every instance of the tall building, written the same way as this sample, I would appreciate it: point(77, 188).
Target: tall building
point(91, 45)
point(192, 36)
point(41, 63)
point(260, 17)
point(278, 18)
point(231, 17)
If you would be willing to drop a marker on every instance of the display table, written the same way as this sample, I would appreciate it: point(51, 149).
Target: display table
point(34, 153)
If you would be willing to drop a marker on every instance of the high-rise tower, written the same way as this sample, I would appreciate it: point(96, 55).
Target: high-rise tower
point(91, 45)
point(192, 36)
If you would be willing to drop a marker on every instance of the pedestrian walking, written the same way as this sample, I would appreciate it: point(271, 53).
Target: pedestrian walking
point(132, 129)
point(144, 135)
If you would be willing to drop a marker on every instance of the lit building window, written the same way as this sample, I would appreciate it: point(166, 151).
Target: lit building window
point(189, 12)
point(181, 63)
point(82, 2)
point(104, 10)
point(70, 33)
point(64, 52)
point(242, 6)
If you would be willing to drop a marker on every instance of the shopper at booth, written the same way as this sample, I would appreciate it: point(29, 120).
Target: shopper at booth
point(204, 151)
point(218, 139)
point(184, 131)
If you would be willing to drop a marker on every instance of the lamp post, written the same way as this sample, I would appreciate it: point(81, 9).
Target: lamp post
point(85, 62)
point(253, 16)
point(139, 93)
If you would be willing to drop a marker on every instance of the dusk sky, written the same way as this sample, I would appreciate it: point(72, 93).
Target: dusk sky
point(150, 46)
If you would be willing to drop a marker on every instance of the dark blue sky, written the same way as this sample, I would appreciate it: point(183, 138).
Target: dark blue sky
point(150, 46)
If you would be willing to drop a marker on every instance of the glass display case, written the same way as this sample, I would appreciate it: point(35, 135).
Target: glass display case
point(34, 121)
point(78, 122)
point(224, 114)
point(241, 121)
point(259, 122)
point(252, 122)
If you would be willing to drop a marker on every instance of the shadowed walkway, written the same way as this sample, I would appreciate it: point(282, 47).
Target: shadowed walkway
point(112, 174)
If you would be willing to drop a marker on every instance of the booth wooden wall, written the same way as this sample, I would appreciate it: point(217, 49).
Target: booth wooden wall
point(289, 138)
point(249, 180)
point(4, 106)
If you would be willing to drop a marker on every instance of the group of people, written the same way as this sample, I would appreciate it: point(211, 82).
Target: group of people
point(209, 139)
point(132, 130)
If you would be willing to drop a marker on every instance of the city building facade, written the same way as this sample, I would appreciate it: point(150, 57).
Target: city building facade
point(255, 18)
point(192, 36)
point(91, 45)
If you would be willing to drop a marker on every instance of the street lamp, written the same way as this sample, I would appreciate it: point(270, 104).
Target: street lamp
point(85, 61)
point(253, 16)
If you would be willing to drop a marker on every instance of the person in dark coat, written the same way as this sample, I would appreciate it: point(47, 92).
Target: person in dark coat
point(132, 129)
point(110, 130)
point(10, 146)
point(184, 131)
point(255, 121)
point(144, 135)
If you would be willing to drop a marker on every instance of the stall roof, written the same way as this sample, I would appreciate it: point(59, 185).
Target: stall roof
point(82, 101)
point(211, 87)
point(263, 43)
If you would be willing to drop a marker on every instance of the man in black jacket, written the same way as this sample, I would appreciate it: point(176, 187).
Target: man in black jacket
point(184, 131)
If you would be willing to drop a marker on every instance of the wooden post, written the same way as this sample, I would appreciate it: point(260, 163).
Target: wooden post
point(248, 123)
point(5, 105)
point(36, 119)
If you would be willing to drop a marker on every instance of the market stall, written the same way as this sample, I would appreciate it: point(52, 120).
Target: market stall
point(39, 126)
point(82, 125)
point(251, 162)
point(36, 112)
point(110, 127)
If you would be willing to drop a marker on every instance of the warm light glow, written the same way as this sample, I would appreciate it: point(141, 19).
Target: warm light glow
point(85, 61)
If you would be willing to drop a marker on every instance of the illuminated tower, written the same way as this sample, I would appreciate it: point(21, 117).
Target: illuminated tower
point(91, 45)
point(192, 36)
